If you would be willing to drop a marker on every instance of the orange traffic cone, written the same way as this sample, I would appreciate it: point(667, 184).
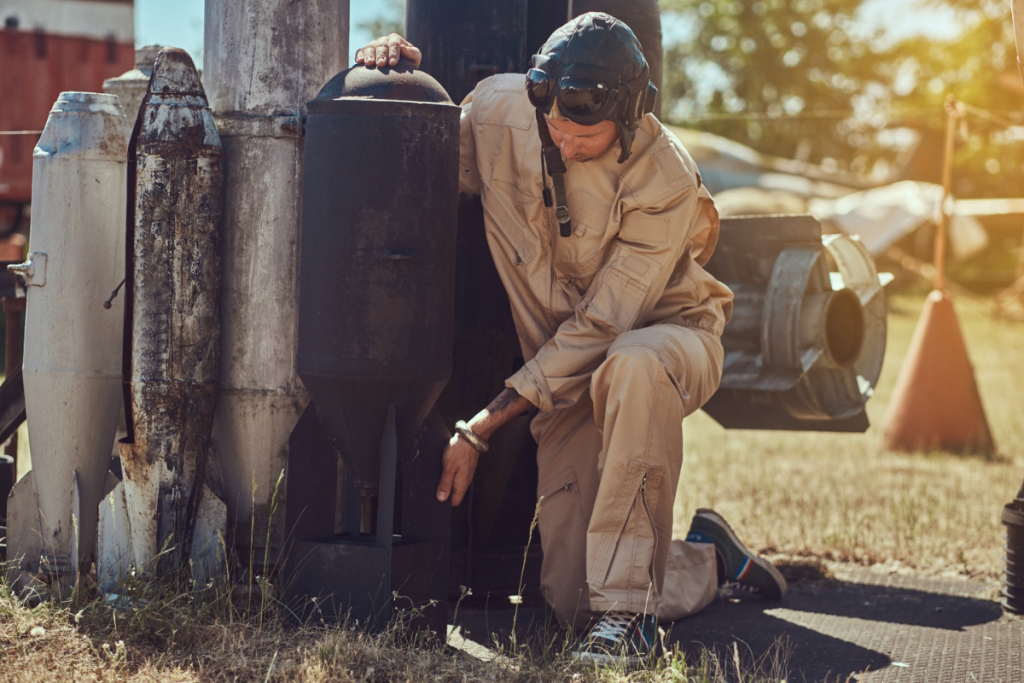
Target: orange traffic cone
point(936, 405)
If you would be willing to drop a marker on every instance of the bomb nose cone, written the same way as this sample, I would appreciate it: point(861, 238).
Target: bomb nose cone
point(399, 82)
point(145, 58)
point(175, 72)
point(86, 102)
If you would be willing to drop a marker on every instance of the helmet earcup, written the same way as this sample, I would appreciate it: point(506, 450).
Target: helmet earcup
point(650, 98)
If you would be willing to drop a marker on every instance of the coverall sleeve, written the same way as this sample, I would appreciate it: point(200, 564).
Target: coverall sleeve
point(655, 243)
point(469, 174)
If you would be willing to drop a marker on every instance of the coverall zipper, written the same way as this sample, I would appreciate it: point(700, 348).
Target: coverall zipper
point(654, 528)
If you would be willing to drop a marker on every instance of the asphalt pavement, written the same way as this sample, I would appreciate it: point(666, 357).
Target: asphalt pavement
point(856, 624)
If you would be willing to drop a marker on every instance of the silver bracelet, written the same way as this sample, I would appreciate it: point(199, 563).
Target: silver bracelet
point(463, 430)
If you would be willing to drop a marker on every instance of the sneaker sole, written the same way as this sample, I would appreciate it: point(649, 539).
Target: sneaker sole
point(758, 562)
point(598, 659)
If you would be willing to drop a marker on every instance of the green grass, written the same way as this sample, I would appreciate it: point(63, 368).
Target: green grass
point(168, 631)
point(801, 497)
point(842, 497)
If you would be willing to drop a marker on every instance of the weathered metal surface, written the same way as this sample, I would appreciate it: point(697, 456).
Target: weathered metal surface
point(24, 543)
point(115, 555)
point(172, 322)
point(263, 56)
point(131, 86)
point(400, 82)
point(402, 563)
point(462, 43)
point(376, 319)
point(804, 348)
point(12, 404)
point(357, 581)
point(376, 313)
point(262, 61)
point(72, 362)
point(465, 41)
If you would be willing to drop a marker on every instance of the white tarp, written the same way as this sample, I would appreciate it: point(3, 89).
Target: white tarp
point(883, 215)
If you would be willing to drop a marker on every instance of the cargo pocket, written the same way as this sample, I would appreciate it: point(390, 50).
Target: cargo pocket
point(563, 535)
point(619, 291)
point(560, 499)
point(637, 495)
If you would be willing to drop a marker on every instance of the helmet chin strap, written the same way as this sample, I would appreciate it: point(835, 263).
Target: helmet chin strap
point(552, 157)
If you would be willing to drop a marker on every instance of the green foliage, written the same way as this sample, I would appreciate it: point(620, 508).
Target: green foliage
point(979, 69)
point(805, 79)
point(390, 19)
point(797, 61)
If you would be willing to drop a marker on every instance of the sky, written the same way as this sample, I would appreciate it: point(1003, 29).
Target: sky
point(180, 23)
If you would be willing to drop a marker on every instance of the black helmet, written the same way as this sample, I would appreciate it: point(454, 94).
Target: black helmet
point(595, 69)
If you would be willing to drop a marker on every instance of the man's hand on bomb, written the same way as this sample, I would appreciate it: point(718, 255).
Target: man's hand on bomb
point(387, 50)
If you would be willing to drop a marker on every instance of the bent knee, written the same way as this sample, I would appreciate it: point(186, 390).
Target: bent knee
point(631, 357)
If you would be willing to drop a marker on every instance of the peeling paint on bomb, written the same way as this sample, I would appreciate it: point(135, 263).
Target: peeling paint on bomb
point(73, 345)
point(131, 87)
point(172, 321)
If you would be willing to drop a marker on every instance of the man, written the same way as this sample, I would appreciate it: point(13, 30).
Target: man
point(599, 227)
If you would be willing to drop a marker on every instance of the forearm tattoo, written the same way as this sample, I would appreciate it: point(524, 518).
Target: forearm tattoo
point(504, 401)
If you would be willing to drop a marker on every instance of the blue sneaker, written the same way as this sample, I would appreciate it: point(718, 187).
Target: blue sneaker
point(742, 570)
point(619, 639)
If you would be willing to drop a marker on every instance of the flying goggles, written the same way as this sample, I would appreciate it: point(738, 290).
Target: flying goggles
point(588, 94)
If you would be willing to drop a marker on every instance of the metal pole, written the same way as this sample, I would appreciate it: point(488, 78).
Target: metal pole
point(264, 59)
point(1017, 12)
point(13, 309)
point(952, 115)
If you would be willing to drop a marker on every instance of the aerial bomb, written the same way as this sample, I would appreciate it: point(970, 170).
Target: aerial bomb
point(130, 87)
point(172, 330)
point(804, 347)
point(72, 361)
point(376, 358)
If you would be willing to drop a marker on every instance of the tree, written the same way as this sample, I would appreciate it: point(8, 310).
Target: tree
point(778, 74)
point(979, 69)
point(803, 79)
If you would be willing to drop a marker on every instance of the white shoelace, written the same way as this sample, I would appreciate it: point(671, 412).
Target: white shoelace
point(612, 627)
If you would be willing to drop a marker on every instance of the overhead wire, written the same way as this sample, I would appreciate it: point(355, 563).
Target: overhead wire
point(849, 113)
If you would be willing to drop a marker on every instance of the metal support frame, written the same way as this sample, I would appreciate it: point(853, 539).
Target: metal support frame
point(373, 578)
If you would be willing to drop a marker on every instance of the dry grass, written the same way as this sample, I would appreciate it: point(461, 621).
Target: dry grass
point(842, 497)
point(155, 633)
point(806, 496)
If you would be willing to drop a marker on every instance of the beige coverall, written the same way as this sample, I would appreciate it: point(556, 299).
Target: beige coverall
point(620, 328)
